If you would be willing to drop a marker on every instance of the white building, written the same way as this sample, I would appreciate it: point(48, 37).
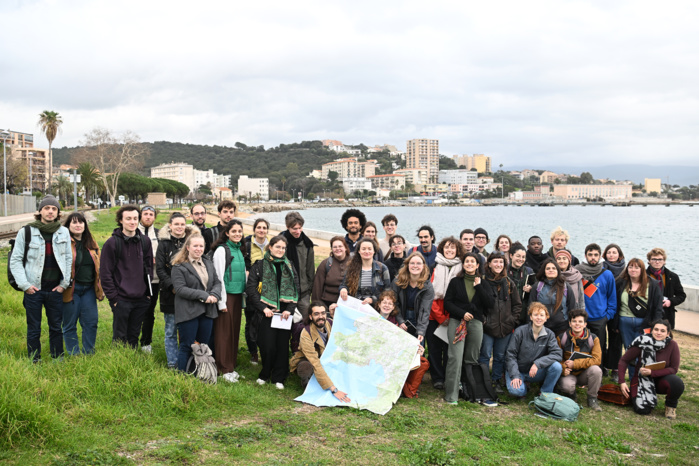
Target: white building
point(351, 185)
point(457, 177)
point(251, 187)
point(413, 175)
point(182, 172)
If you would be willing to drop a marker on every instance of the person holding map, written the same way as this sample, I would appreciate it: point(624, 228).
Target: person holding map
point(273, 291)
point(366, 278)
point(306, 361)
point(415, 295)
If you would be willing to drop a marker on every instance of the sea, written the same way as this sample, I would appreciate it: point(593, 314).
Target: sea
point(636, 229)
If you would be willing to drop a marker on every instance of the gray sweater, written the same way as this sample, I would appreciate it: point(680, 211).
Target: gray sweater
point(190, 293)
point(523, 350)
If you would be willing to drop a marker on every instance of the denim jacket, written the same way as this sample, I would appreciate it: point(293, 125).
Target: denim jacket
point(30, 274)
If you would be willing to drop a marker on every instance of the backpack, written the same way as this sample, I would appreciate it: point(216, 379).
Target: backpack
point(556, 407)
point(590, 340)
point(27, 239)
point(201, 363)
point(476, 382)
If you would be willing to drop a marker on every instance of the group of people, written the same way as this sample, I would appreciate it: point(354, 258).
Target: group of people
point(542, 317)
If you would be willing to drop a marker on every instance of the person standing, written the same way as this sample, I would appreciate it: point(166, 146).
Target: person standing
point(226, 212)
point(552, 291)
point(425, 234)
point(390, 224)
point(229, 263)
point(559, 240)
point(255, 247)
point(394, 259)
point(600, 296)
point(80, 298)
point(148, 216)
point(353, 221)
point(670, 285)
point(329, 275)
point(481, 238)
point(365, 278)
point(44, 276)
point(299, 250)
point(534, 255)
point(171, 239)
point(468, 242)
point(614, 262)
point(521, 274)
point(125, 272)
point(198, 213)
point(572, 276)
point(415, 294)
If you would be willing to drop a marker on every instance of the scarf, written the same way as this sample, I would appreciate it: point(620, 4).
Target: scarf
point(500, 283)
point(659, 275)
point(286, 292)
point(46, 228)
point(615, 267)
point(573, 277)
point(646, 397)
point(534, 261)
point(588, 271)
point(292, 244)
point(444, 271)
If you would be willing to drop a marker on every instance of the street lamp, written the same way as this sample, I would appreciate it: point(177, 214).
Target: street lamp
point(5, 134)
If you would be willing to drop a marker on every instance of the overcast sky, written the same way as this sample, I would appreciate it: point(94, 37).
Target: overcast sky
point(527, 83)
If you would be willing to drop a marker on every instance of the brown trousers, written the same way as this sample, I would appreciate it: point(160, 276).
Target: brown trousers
point(227, 334)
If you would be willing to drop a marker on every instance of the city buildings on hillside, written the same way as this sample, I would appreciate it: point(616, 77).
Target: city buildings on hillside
point(550, 177)
point(253, 187)
point(187, 174)
point(391, 181)
point(20, 146)
point(424, 154)
point(482, 163)
point(413, 175)
point(349, 167)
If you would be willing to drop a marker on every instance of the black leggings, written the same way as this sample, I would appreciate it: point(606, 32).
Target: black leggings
point(670, 385)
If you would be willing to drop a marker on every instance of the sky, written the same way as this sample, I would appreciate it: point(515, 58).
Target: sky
point(528, 83)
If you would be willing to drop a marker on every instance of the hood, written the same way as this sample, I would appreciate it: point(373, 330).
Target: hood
point(164, 233)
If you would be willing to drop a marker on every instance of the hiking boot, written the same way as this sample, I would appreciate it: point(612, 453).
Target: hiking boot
point(593, 404)
point(670, 413)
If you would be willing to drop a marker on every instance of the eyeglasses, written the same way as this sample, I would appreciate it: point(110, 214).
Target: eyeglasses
point(481, 237)
point(658, 259)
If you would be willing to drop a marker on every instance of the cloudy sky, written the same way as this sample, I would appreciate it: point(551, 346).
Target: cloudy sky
point(525, 82)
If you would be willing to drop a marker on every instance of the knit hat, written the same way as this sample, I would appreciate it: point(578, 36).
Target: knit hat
point(481, 231)
point(49, 200)
point(564, 252)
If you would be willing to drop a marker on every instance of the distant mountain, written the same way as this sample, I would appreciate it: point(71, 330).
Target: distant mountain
point(678, 174)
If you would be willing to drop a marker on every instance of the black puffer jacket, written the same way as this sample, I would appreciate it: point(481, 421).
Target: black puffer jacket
point(503, 317)
point(167, 248)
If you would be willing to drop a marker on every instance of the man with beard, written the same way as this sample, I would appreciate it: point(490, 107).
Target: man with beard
point(353, 220)
point(226, 212)
point(299, 250)
point(198, 213)
point(600, 294)
point(148, 215)
point(427, 248)
point(534, 256)
point(314, 338)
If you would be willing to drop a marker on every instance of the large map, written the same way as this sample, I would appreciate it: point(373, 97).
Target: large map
point(367, 357)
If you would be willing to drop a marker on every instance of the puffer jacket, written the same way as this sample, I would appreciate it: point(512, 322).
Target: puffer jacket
point(503, 317)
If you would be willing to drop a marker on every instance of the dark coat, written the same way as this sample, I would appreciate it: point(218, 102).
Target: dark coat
point(423, 305)
point(557, 322)
point(191, 293)
point(252, 292)
point(123, 278)
point(674, 292)
point(655, 303)
point(503, 317)
point(456, 301)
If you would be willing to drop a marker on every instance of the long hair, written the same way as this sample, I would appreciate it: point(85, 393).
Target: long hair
point(559, 283)
point(497, 242)
point(183, 254)
point(403, 277)
point(610, 246)
point(354, 270)
point(643, 279)
point(87, 238)
point(462, 272)
point(223, 235)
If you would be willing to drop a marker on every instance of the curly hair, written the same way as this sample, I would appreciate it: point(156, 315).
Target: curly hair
point(403, 277)
point(353, 213)
point(455, 242)
point(390, 294)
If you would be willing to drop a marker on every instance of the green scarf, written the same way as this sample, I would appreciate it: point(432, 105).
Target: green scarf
point(49, 228)
point(286, 292)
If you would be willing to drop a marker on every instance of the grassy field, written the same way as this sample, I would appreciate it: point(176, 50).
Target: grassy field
point(123, 407)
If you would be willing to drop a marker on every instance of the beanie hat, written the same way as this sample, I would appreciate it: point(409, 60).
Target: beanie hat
point(481, 231)
point(49, 200)
point(564, 252)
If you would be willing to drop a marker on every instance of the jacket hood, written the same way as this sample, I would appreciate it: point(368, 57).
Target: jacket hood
point(166, 234)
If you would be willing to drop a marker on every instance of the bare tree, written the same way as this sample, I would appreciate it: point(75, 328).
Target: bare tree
point(112, 155)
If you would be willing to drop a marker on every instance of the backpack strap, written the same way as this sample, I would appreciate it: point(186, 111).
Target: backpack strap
point(539, 287)
point(27, 234)
point(328, 264)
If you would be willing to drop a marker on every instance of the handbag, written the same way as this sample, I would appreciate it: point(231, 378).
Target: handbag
point(611, 393)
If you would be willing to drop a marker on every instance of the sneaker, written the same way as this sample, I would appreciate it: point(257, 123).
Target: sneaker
point(488, 403)
point(593, 404)
point(231, 377)
point(453, 403)
point(670, 413)
point(439, 385)
point(147, 349)
point(254, 359)
point(260, 382)
point(279, 385)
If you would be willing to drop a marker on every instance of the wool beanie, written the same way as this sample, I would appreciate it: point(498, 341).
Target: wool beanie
point(49, 200)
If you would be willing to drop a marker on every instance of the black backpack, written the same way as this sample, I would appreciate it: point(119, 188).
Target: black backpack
point(27, 240)
point(476, 382)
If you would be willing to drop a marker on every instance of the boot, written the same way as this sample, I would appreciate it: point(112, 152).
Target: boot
point(670, 413)
point(594, 405)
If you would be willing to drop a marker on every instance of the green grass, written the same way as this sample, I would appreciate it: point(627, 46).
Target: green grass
point(120, 406)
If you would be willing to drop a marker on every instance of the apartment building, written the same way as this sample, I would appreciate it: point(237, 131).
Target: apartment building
point(252, 187)
point(653, 185)
point(413, 175)
point(458, 176)
point(481, 162)
point(20, 146)
point(592, 191)
point(423, 154)
point(390, 181)
point(349, 167)
point(182, 172)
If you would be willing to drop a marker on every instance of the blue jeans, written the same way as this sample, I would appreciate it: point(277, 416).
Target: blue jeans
point(547, 377)
point(630, 328)
point(496, 347)
point(197, 329)
point(52, 301)
point(170, 339)
point(82, 308)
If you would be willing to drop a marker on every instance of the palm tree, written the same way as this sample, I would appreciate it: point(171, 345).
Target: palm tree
point(90, 179)
point(50, 123)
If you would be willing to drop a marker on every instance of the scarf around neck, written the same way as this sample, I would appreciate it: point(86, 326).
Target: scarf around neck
point(500, 284)
point(443, 274)
point(659, 275)
point(572, 277)
point(46, 228)
point(588, 270)
point(615, 267)
point(272, 294)
point(646, 396)
point(535, 260)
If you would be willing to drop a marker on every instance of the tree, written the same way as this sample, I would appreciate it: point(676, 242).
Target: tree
point(64, 188)
point(112, 155)
point(332, 176)
point(17, 172)
point(50, 123)
point(90, 179)
point(586, 178)
point(204, 188)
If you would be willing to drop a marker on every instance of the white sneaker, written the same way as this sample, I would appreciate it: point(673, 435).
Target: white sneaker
point(231, 377)
point(279, 385)
point(147, 349)
point(260, 382)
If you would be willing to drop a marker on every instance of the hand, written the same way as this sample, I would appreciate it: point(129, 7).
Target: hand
point(343, 294)
point(476, 281)
point(331, 309)
point(533, 371)
point(211, 299)
point(569, 364)
point(420, 349)
point(32, 289)
point(516, 383)
point(269, 312)
point(285, 315)
point(644, 371)
point(342, 396)
point(468, 317)
point(368, 301)
point(566, 371)
point(420, 338)
point(445, 323)
point(59, 288)
point(404, 327)
point(527, 288)
point(624, 389)
point(666, 303)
